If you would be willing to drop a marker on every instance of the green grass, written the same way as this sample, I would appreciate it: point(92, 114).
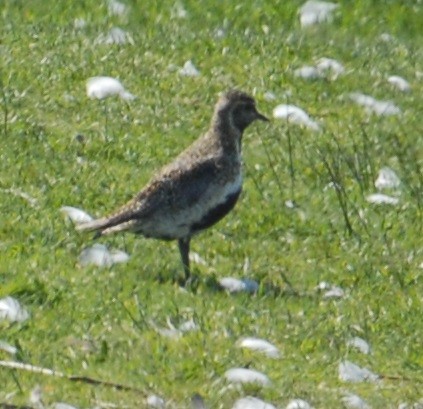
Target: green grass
point(374, 253)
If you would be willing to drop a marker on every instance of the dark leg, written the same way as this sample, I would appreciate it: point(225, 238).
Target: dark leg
point(184, 251)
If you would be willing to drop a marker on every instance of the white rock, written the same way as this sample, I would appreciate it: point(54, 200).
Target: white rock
point(330, 291)
point(178, 11)
point(316, 12)
point(332, 185)
point(307, 72)
point(10, 349)
point(250, 402)
point(379, 198)
point(298, 404)
point(154, 401)
point(372, 105)
point(196, 258)
point(385, 108)
point(97, 255)
point(269, 96)
point(76, 215)
point(260, 345)
point(349, 372)
point(334, 292)
point(352, 401)
point(387, 179)
point(103, 87)
point(23, 195)
point(36, 396)
point(118, 256)
point(117, 8)
point(236, 285)
point(187, 326)
point(189, 70)
point(243, 375)
point(323, 285)
point(416, 405)
point(12, 311)
point(295, 115)
point(197, 402)
point(171, 333)
point(174, 333)
point(100, 256)
point(290, 204)
point(61, 405)
point(360, 344)
point(79, 23)
point(266, 29)
point(387, 38)
point(115, 36)
point(328, 65)
point(400, 83)
point(219, 33)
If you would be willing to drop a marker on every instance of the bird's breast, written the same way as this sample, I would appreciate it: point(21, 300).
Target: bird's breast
point(219, 205)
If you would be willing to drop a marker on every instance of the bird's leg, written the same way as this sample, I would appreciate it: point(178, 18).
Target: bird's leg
point(184, 251)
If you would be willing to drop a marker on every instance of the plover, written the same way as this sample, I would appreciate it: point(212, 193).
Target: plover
point(197, 189)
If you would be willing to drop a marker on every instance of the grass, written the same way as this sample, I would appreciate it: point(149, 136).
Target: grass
point(97, 322)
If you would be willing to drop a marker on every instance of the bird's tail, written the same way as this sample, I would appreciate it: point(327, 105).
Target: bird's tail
point(94, 225)
point(107, 225)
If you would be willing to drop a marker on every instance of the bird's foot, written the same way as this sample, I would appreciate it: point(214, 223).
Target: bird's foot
point(189, 282)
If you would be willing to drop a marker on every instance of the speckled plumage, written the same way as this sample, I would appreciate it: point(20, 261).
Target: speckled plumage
point(196, 189)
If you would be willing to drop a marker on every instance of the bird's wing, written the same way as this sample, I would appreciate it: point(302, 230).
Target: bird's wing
point(178, 187)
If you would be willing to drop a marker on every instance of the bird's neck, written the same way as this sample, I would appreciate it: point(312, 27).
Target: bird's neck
point(228, 136)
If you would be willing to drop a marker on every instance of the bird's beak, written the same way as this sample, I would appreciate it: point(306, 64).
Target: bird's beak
point(261, 117)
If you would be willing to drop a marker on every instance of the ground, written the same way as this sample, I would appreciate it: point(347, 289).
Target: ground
point(303, 218)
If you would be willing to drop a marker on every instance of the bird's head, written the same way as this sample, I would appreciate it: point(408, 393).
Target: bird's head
point(238, 109)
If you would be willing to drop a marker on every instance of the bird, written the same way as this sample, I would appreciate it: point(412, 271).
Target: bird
point(195, 190)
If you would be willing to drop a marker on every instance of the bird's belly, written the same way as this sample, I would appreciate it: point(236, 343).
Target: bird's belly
point(163, 228)
point(218, 202)
point(172, 223)
point(216, 213)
